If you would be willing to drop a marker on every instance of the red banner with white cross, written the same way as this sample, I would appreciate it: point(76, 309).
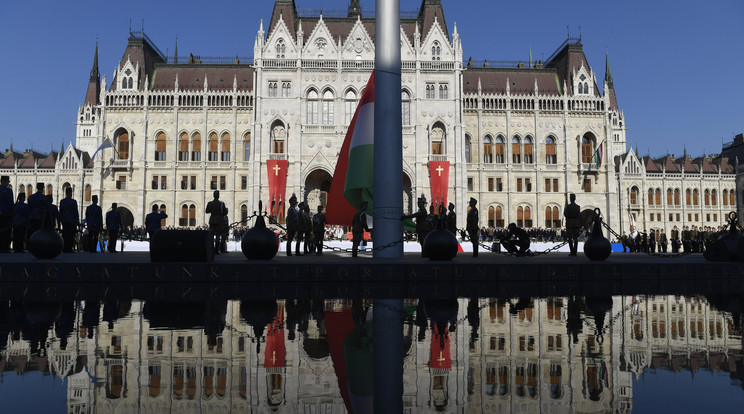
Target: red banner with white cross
point(277, 174)
point(439, 179)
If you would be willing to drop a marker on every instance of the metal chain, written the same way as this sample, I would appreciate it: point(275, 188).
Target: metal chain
point(531, 253)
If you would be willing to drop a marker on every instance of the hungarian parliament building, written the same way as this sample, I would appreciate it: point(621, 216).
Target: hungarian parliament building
point(518, 136)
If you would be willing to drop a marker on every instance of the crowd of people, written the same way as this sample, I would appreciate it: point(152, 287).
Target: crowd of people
point(691, 239)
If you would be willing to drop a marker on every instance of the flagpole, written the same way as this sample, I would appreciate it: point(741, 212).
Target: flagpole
point(388, 205)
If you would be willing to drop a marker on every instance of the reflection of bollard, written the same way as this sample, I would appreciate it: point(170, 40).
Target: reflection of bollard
point(597, 247)
point(496, 247)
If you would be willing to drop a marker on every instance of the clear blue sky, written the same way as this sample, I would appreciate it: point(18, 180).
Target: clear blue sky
point(677, 65)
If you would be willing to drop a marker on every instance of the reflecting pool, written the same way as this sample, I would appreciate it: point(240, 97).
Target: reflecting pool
point(618, 354)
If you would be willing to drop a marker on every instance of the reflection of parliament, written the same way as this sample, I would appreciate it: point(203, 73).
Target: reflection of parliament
point(518, 136)
point(487, 355)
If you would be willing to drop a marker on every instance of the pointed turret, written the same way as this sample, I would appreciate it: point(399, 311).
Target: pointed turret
point(175, 52)
point(355, 9)
point(94, 84)
point(610, 91)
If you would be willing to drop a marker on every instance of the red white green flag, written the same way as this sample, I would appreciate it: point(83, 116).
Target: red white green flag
point(353, 179)
point(598, 155)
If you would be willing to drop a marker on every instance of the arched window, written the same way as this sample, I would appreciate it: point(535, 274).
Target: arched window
point(124, 83)
point(587, 148)
point(500, 147)
point(350, 105)
point(581, 88)
point(273, 89)
point(131, 85)
point(688, 197)
point(658, 197)
point(192, 215)
point(49, 190)
point(247, 147)
point(467, 149)
point(160, 145)
point(286, 89)
point(556, 392)
point(123, 146)
point(22, 189)
point(312, 107)
point(527, 216)
point(499, 220)
point(549, 217)
point(650, 196)
point(491, 216)
point(327, 107)
point(164, 210)
point(725, 197)
point(528, 150)
point(196, 147)
point(436, 51)
point(550, 152)
point(676, 197)
point(443, 93)
point(706, 197)
point(183, 147)
point(281, 49)
point(225, 153)
point(520, 216)
point(556, 218)
point(634, 195)
point(437, 139)
point(183, 221)
point(405, 107)
point(278, 137)
point(487, 150)
point(429, 91)
point(87, 192)
point(695, 199)
point(213, 143)
point(516, 151)
point(243, 215)
point(670, 197)
point(732, 198)
point(29, 190)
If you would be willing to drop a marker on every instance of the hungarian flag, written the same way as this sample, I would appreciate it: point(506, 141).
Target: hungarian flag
point(353, 179)
point(598, 155)
point(105, 144)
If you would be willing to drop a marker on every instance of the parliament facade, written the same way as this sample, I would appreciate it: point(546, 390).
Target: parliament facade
point(517, 136)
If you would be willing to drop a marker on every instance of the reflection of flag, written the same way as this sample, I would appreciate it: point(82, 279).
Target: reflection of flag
point(105, 144)
point(353, 179)
point(598, 155)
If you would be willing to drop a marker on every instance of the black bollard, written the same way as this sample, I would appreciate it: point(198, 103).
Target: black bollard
point(259, 242)
point(46, 243)
point(597, 247)
point(441, 244)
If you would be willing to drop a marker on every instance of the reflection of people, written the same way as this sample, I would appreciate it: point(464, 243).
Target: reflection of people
point(472, 225)
point(291, 222)
point(94, 219)
point(358, 227)
point(68, 210)
point(518, 246)
point(572, 213)
point(114, 224)
point(153, 221)
point(217, 211)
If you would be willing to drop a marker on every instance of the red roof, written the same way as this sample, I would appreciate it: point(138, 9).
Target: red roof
point(191, 77)
point(521, 81)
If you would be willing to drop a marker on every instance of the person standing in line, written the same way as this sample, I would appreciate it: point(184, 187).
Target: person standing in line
point(20, 222)
point(420, 217)
point(452, 219)
point(358, 227)
point(307, 228)
point(37, 208)
point(217, 211)
point(68, 210)
point(472, 225)
point(94, 219)
point(6, 211)
point(319, 229)
point(153, 221)
point(291, 222)
point(114, 225)
point(663, 241)
point(572, 213)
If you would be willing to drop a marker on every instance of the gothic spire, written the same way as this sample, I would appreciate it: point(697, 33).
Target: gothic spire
point(94, 71)
point(175, 51)
point(608, 74)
